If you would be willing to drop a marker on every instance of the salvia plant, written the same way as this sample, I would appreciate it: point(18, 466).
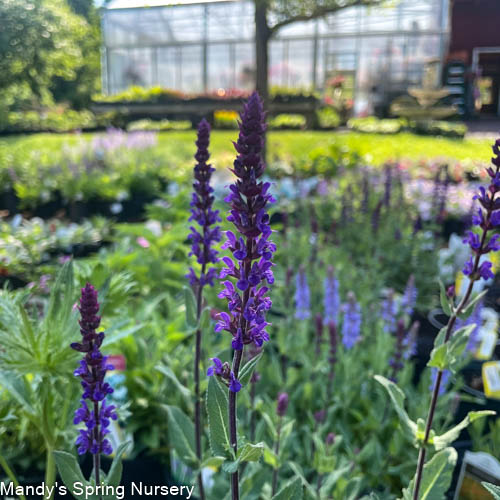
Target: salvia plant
point(94, 412)
point(450, 345)
point(202, 247)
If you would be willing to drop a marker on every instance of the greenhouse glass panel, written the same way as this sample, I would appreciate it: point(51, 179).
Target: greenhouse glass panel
point(198, 46)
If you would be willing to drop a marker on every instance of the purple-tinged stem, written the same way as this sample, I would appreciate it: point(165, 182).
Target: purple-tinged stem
point(277, 452)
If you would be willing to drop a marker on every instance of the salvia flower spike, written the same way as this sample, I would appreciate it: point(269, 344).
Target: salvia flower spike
point(203, 213)
point(302, 296)
point(351, 326)
point(250, 266)
point(476, 268)
point(331, 304)
point(93, 412)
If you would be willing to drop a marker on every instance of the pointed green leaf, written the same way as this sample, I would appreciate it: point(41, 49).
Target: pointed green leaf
point(493, 489)
point(291, 491)
point(448, 437)
point(114, 475)
point(246, 372)
point(182, 389)
point(397, 397)
point(218, 423)
point(436, 476)
point(214, 462)
point(251, 452)
point(438, 358)
point(181, 435)
point(467, 311)
point(70, 471)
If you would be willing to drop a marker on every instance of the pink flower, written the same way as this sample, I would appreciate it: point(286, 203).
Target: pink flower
point(143, 242)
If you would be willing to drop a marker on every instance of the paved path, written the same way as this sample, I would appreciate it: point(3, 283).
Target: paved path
point(483, 128)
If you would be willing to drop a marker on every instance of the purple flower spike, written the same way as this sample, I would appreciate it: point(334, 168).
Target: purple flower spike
point(487, 218)
point(331, 302)
point(203, 213)
point(92, 370)
point(409, 299)
point(249, 265)
point(351, 326)
point(302, 296)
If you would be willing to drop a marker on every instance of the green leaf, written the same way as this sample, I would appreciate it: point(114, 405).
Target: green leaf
point(447, 355)
point(181, 435)
point(291, 491)
point(436, 476)
point(16, 386)
point(493, 489)
point(182, 389)
point(469, 309)
point(270, 457)
point(439, 340)
point(70, 471)
point(115, 333)
point(218, 423)
point(448, 437)
point(190, 303)
point(246, 372)
point(397, 397)
point(114, 475)
point(251, 452)
point(214, 462)
point(445, 304)
point(438, 358)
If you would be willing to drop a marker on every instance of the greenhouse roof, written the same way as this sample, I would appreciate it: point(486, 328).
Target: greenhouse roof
point(137, 4)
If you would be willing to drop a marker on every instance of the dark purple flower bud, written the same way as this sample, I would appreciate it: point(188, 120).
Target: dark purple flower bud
point(332, 330)
point(92, 369)
point(351, 325)
point(330, 438)
point(282, 404)
point(320, 416)
point(203, 213)
point(450, 292)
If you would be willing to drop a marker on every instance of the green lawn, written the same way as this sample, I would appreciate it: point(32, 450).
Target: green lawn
point(290, 147)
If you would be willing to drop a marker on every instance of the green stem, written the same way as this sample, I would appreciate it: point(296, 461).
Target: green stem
point(50, 471)
point(10, 474)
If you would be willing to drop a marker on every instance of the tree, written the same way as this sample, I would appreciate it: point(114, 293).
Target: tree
point(283, 13)
point(39, 40)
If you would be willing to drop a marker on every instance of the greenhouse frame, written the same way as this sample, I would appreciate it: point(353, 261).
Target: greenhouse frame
point(208, 46)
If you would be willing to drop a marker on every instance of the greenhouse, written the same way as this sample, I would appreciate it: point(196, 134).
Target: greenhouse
point(208, 46)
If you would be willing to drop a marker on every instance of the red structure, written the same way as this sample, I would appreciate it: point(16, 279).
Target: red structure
point(475, 43)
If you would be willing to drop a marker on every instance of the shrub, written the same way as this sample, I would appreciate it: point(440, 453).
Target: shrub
point(373, 125)
point(328, 118)
point(226, 119)
point(287, 121)
point(161, 125)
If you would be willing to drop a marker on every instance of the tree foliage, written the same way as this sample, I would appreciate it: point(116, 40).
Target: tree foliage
point(42, 42)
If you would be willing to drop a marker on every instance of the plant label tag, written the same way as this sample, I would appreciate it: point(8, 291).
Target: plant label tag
point(491, 379)
point(488, 343)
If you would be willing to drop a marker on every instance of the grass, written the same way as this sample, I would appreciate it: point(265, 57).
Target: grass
point(177, 147)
